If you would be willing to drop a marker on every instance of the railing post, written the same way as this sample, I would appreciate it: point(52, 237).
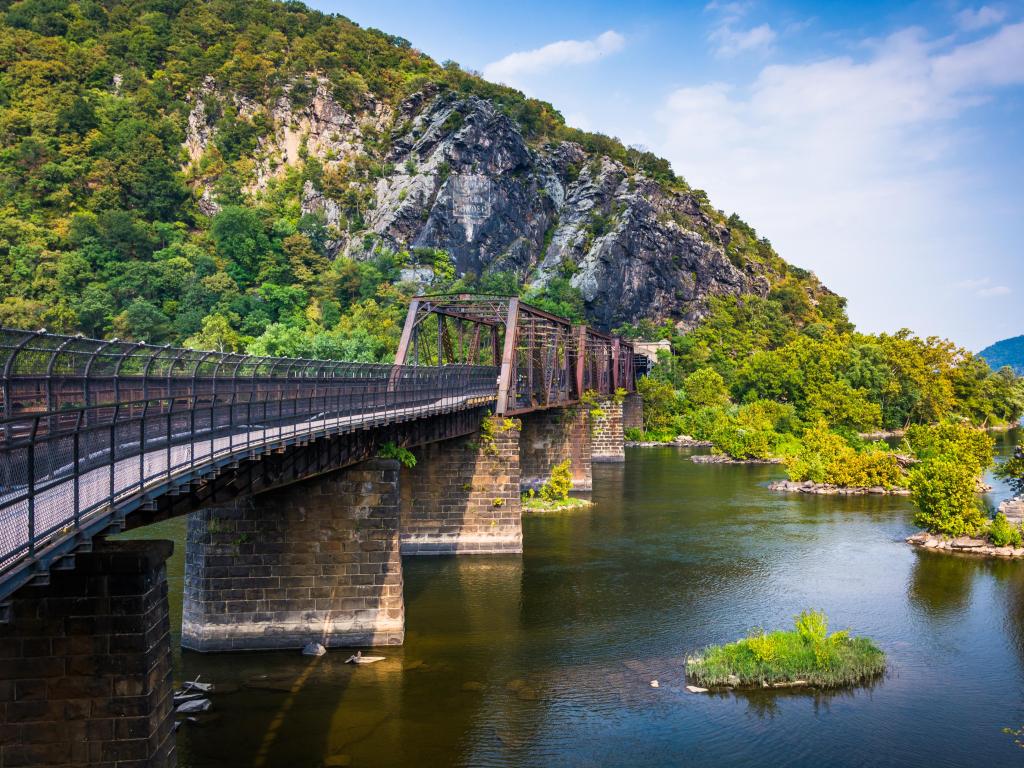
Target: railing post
point(75, 457)
point(142, 446)
point(32, 489)
point(170, 417)
point(113, 453)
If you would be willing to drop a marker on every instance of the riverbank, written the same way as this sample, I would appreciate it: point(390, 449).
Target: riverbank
point(826, 489)
point(721, 458)
point(682, 441)
point(965, 545)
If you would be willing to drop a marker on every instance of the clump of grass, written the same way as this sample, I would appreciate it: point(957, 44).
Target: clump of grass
point(533, 502)
point(808, 655)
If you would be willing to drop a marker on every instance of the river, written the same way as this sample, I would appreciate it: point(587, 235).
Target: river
point(547, 659)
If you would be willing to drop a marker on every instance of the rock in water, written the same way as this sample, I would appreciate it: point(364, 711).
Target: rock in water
point(191, 707)
point(654, 684)
point(313, 649)
point(696, 689)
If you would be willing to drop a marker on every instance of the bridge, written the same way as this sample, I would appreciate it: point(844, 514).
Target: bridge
point(296, 525)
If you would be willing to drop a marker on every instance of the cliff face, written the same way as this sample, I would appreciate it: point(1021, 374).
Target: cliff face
point(457, 174)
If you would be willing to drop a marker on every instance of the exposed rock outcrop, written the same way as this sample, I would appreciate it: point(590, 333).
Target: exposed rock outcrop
point(456, 173)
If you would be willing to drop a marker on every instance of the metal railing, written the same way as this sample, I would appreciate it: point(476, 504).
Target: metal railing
point(65, 466)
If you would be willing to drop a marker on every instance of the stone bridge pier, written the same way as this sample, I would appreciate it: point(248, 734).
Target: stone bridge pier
point(463, 495)
point(550, 437)
point(609, 442)
point(85, 664)
point(317, 560)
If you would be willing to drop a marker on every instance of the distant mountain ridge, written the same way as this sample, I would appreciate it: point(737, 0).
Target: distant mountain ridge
point(1006, 352)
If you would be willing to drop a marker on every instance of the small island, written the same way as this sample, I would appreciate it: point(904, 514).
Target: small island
point(807, 656)
point(554, 494)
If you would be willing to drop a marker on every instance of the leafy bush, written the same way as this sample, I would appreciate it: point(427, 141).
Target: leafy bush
point(953, 441)
point(812, 626)
point(660, 404)
point(559, 484)
point(944, 491)
point(393, 451)
point(825, 457)
point(705, 387)
point(1002, 533)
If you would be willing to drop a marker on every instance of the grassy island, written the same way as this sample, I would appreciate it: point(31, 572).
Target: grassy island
point(806, 656)
point(538, 504)
point(554, 494)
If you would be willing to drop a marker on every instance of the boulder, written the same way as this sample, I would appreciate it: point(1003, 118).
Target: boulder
point(313, 649)
point(967, 542)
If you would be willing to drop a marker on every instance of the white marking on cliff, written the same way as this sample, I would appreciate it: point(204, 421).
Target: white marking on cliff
point(472, 201)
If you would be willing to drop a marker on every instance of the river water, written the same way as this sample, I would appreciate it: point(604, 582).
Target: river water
point(547, 659)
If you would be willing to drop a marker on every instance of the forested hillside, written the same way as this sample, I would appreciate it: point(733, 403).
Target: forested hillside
point(1008, 352)
point(259, 175)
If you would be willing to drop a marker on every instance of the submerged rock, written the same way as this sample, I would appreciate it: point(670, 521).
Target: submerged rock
point(192, 707)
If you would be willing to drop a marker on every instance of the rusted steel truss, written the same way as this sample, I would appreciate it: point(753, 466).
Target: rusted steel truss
point(545, 360)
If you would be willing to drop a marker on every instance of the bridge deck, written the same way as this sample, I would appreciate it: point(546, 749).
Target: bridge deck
point(91, 430)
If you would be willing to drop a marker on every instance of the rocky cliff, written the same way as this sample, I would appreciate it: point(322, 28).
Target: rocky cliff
point(456, 173)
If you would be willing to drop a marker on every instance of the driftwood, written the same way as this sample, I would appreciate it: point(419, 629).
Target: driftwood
point(358, 658)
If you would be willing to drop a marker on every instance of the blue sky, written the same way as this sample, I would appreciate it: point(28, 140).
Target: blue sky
point(879, 144)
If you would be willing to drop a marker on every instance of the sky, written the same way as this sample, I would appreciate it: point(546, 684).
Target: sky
point(879, 144)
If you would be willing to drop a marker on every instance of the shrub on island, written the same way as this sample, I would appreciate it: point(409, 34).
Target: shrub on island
point(806, 656)
point(824, 456)
point(952, 456)
point(554, 494)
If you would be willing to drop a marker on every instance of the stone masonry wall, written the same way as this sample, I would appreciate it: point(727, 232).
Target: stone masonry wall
point(85, 664)
point(608, 440)
point(549, 438)
point(314, 561)
point(462, 497)
point(633, 412)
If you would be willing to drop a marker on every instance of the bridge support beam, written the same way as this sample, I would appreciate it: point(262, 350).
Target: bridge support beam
point(549, 438)
point(609, 442)
point(85, 664)
point(462, 497)
point(312, 561)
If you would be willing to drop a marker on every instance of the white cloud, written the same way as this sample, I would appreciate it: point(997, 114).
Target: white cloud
point(979, 18)
point(562, 53)
point(847, 165)
point(995, 290)
point(731, 42)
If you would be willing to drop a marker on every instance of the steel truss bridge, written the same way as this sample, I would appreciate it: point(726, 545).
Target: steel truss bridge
point(94, 430)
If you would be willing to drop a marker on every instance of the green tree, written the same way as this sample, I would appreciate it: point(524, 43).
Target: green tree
point(944, 491)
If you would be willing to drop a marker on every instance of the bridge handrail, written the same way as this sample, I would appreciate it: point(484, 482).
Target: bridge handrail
point(61, 470)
